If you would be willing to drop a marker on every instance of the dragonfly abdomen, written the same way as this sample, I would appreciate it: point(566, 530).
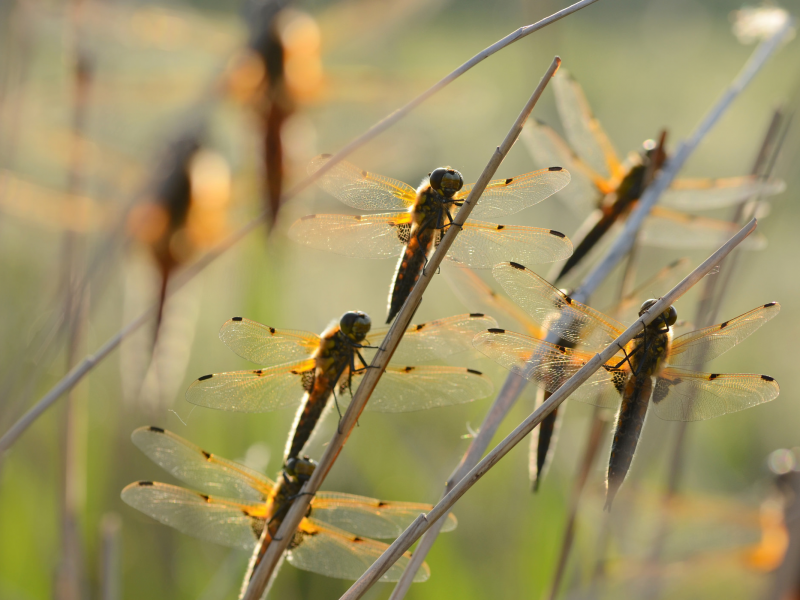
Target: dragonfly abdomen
point(409, 268)
point(630, 421)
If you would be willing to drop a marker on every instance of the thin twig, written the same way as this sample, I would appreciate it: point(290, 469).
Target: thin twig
point(110, 527)
point(298, 510)
point(514, 385)
point(423, 522)
point(69, 380)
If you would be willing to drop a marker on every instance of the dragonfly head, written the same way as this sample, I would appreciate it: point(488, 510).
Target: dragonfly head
point(668, 317)
point(355, 325)
point(446, 181)
point(301, 468)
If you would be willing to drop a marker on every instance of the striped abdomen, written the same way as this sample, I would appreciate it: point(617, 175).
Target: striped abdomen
point(630, 420)
point(409, 268)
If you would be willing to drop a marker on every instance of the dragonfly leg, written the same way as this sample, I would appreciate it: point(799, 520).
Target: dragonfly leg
point(627, 358)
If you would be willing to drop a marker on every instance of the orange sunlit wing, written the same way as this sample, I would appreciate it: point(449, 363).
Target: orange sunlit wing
point(508, 196)
point(647, 289)
point(586, 187)
point(202, 470)
point(580, 325)
point(682, 395)
point(434, 339)
point(361, 189)
point(703, 345)
point(368, 516)
point(406, 389)
point(584, 132)
point(218, 520)
point(483, 245)
point(703, 194)
point(266, 345)
point(358, 236)
point(672, 229)
point(473, 293)
point(335, 553)
point(253, 391)
point(550, 366)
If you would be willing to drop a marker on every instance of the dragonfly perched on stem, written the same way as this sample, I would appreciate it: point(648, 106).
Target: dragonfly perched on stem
point(236, 504)
point(309, 368)
point(429, 211)
point(602, 183)
point(651, 365)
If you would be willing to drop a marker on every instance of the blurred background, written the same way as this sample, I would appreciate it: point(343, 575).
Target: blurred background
point(111, 111)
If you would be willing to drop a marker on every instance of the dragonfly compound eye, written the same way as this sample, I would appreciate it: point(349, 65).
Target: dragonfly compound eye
point(302, 468)
point(672, 317)
point(446, 181)
point(355, 325)
point(646, 304)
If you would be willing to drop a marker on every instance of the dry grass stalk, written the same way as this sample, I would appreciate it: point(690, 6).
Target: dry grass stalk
point(183, 277)
point(423, 522)
point(298, 510)
point(623, 245)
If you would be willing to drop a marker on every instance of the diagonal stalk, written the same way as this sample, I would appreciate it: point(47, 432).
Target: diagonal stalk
point(183, 277)
point(285, 534)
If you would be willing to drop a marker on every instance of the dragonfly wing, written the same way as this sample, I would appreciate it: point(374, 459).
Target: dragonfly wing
point(483, 245)
point(254, 391)
point(550, 366)
point(217, 520)
point(361, 189)
point(698, 347)
point(508, 196)
point(703, 194)
point(681, 395)
point(583, 130)
point(555, 311)
point(266, 345)
point(406, 389)
point(547, 148)
point(473, 292)
point(667, 228)
point(359, 236)
point(202, 470)
point(367, 516)
point(435, 339)
point(335, 553)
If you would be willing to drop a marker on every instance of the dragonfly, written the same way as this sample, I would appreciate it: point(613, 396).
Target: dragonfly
point(601, 182)
point(428, 212)
point(651, 365)
point(305, 368)
point(235, 504)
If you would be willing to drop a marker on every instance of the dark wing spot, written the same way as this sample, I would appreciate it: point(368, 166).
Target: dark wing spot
point(420, 326)
point(554, 169)
point(156, 429)
point(770, 304)
point(404, 232)
point(499, 227)
point(509, 180)
point(260, 371)
point(476, 315)
point(517, 266)
point(474, 372)
point(358, 539)
point(145, 483)
point(723, 325)
point(272, 330)
point(409, 369)
point(381, 503)
point(557, 233)
point(364, 173)
point(236, 319)
point(308, 217)
point(204, 377)
point(206, 454)
point(713, 376)
point(204, 497)
point(567, 299)
point(767, 378)
point(494, 330)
